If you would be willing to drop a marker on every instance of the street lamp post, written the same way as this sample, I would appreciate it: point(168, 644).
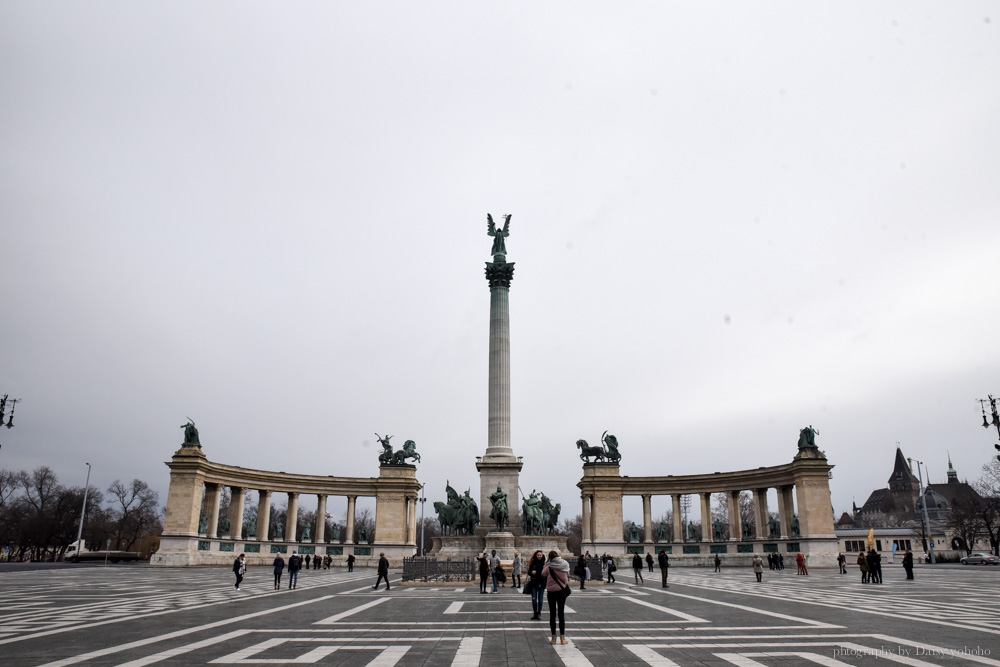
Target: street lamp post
point(423, 500)
point(996, 418)
point(83, 512)
point(923, 502)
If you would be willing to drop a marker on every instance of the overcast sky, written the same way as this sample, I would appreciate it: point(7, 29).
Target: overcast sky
point(730, 221)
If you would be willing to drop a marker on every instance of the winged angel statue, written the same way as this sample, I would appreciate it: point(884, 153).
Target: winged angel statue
point(499, 248)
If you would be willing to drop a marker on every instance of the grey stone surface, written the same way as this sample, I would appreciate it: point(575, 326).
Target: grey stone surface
point(192, 616)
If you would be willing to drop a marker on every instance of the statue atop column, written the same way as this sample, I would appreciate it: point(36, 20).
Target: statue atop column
point(191, 433)
point(499, 250)
point(807, 438)
point(385, 456)
point(499, 512)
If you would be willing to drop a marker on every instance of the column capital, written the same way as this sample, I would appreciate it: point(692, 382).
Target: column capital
point(499, 274)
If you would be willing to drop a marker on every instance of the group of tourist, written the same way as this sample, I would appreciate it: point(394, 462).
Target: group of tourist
point(870, 565)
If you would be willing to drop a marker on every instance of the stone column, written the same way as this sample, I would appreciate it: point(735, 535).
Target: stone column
point(349, 528)
point(586, 519)
point(213, 492)
point(678, 528)
point(263, 514)
point(236, 512)
point(761, 516)
point(647, 518)
point(706, 517)
point(320, 532)
point(499, 275)
point(292, 517)
point(735, 518)
point(785, 510)
point(411, 521)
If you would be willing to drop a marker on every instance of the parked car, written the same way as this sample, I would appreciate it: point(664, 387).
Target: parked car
point(980, 559)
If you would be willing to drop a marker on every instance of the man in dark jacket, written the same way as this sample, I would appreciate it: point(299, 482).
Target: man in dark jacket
point(649, 561)
point(383, 571)
point(664, 565)
point(240, 568)
point(350, 562)
point(637, 568)
point(294, 565)
point(908, 564)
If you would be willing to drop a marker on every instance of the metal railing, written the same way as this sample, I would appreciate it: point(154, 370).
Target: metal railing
point(432, 569)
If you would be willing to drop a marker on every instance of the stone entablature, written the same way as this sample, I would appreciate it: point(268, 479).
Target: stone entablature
point(196, 482)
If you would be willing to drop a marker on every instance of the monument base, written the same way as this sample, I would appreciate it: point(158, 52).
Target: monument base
point(472, 546)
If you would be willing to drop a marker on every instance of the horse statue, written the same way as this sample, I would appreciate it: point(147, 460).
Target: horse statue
point(468, 517)
point(532, 515)
point(553, 521)
point(611, 442)
point(385, 458)
point(409, 451)
point(448, 512)
point(586, 451)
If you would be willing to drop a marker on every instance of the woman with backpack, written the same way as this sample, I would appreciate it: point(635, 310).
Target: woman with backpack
point(556, 573)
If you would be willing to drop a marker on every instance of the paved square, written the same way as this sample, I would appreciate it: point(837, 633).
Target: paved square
point(137, 615)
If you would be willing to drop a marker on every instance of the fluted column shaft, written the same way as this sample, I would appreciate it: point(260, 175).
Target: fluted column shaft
point(263, 514)
point(292, 517)
point(761, 516)
point(349, 529)
point(236, 501)
point(735, 518)
point(678, 528)
point(707, 534)
point(586, 519)
point(213, 493)
point(647, 518)
point(320, 532)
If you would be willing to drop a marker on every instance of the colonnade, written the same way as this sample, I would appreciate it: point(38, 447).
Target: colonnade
point(196, 485)
point(801, 485)
point(213, 496)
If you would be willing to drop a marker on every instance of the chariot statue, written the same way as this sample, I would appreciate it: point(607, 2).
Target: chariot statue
point(611, 442)
point(409, 451)
point(807, 438)
point(191, 433)
point(385, 456)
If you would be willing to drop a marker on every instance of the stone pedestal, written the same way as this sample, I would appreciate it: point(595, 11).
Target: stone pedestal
point(503, 472)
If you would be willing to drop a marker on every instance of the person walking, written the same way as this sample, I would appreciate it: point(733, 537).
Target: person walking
point(279, 568)
point(611, 568)
point(863, 566)
point(484, 572)
point(718, 563)
point(908, 564)
point(294, 565)
point(781, 562)
point(494, 567)
point(536, 584)
point(758, 566)
point(515, 570)
point(350, 562)
point(307, 561)
point(383, 571)
point(581, 572)
point(556, 573)
point(842, 562)
point(239, 569)
point(649, 561)
point(637, 568)
point(664, 566)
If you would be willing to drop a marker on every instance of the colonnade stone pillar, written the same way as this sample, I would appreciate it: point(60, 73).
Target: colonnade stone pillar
point(761, 516)
point(236, 501)
point(647, 518)
point(785, 510)
point(411, 521)
point(349, 528)
point(678, 528)
point(263, 514)
point(587, 535)
point(393, 509)
point(213, 493)
point(735, 518)
point(706, 517)
point(320, 532)
point(292, 516)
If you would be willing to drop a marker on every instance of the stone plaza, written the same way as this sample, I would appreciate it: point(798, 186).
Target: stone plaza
point(140, 615)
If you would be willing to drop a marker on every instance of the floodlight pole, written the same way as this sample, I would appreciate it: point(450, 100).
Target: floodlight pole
point(83, 512)
point(923, 502)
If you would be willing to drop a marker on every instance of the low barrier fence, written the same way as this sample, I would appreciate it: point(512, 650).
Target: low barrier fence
point(432, 569)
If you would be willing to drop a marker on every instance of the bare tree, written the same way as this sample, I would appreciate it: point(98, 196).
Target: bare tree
point(573, 530)
point(133, 512)
point(988, 486)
